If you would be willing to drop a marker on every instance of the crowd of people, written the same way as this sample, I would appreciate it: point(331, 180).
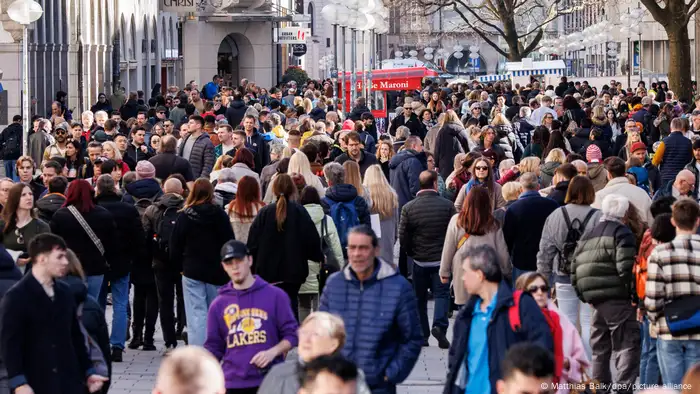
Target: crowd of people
point(556, 225)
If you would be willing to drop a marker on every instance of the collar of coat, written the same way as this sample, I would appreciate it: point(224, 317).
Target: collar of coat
point(383, 271)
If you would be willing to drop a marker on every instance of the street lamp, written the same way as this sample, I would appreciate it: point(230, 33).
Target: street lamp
point(25, 12)
point(335, 14)
point(630, 26)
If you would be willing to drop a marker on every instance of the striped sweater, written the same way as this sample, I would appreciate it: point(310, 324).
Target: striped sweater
point(673, 271)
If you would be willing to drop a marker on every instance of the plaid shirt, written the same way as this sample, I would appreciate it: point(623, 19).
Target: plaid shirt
point(673, 272)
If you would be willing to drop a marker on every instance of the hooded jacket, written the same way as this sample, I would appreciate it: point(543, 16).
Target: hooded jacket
point(547, 173)
point(235, 113)
point(332, 240)
point(48, 205)
point(241, 323)
point(282, 256)
point(150, 222)
point(343, 193)
point(381, 321)
point(451, 140)
point(177, 114)
point(357, 112)
point(130, 109)
point(130, 249)
point(143, 188)
point(558, 192)
point(200, 232)
point(405, 168)
point(598, 175)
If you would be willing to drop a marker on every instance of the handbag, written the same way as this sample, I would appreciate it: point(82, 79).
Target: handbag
point(682, 315)
point(330, 263)
point(572, 126)
point(587, 385)
point(87, 229)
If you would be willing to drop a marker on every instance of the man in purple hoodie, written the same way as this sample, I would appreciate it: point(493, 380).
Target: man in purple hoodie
point(250, 324)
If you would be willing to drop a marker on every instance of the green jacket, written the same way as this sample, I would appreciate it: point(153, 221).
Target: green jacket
point(601, 269)
point(317, 215)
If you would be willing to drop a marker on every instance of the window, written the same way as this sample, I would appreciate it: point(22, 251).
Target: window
point(310, 11)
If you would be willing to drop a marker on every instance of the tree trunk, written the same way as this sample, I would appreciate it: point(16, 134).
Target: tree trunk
point(679, 68)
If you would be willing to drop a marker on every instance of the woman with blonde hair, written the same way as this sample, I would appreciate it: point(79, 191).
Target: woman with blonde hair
point(528, 164)
point(320, 334)
point(554, 159)
point(511, 191)
point(308, 106)
point(224, 161)
point(299, 164)
point(385, 203)
point(111, 151)
point(451, 136)
point(354, 177)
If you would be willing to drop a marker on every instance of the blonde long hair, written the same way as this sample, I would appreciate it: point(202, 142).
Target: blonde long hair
point(384, 198)
point(353, 176)
point(115, 149)
point(299, 164)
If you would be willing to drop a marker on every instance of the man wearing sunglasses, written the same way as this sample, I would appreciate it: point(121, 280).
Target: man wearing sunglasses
point(58, 148)
point(475, 112)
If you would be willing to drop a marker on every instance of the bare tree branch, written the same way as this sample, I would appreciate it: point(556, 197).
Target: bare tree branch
point(480, 33)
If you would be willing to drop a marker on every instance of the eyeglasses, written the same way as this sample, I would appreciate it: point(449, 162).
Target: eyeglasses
point(481, 168)
point(533, 289)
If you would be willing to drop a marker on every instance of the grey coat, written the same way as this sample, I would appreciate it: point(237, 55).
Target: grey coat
point(388, 237)
point(202, 157)
point(282, 379)
point(554, 235)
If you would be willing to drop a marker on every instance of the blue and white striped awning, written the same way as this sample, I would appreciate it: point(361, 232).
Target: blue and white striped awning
point(493, 77)
point(546, 71)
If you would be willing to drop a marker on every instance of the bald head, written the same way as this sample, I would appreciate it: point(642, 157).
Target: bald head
point(173, 185)
point(685, 182)
point(428, 180)
point(190, 370)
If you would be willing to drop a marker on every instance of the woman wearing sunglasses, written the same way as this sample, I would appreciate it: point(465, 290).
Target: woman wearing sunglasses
point(570, 358)
point(482, 175)
point(19, 221)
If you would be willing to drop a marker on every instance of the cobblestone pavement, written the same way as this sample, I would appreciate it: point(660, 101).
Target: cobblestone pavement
point(137, 374)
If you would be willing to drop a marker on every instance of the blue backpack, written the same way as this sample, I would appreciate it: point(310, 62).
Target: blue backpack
point(344, 216)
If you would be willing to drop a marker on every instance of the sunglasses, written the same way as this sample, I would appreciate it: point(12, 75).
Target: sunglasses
point(60, 132)
point(20, 237)
point(161, 112)
point(533, 289)
point(481, 168)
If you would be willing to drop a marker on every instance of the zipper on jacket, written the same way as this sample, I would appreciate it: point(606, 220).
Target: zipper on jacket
point(357, 318)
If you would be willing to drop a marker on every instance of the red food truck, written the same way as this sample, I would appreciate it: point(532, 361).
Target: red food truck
point(385, 81)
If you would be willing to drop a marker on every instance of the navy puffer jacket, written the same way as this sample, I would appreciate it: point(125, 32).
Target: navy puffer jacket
point(381, 320)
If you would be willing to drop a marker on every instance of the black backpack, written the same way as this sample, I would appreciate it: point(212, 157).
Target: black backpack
point(163, 232)
point(574, 232)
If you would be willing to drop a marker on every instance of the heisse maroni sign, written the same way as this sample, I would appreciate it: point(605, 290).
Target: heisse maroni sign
point(387, 85)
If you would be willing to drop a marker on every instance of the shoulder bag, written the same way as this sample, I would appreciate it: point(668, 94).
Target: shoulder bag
point(87, 229)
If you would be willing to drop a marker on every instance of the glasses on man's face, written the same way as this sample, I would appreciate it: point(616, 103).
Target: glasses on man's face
point(60, 132)
point(161, 113)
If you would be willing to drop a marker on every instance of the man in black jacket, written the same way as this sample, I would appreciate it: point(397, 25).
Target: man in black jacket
point(43, 346)
point(130, 252)
point(138, 149)
point(355, 152)
point(257, 142)
point(359, 109)
point(198, 149)
point(167, 276)
point(167, 162)
point(11, 146)
point(51, 202)
point(422, 230)
point(236, 111)
point(409, 119)
point(562, 176)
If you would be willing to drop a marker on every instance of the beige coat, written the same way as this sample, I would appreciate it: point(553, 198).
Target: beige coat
point(452, 258)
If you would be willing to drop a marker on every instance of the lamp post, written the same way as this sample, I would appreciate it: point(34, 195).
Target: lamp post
point(336, 15)
point(25, 12)
point(630, 26)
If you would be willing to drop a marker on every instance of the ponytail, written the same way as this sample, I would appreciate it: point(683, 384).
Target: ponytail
point(281, 212)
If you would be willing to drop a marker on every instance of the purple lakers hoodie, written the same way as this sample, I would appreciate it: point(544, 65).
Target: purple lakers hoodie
point(242, 323)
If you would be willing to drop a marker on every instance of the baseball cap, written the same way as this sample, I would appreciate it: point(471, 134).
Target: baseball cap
point(638, 146)
point(234, 250)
